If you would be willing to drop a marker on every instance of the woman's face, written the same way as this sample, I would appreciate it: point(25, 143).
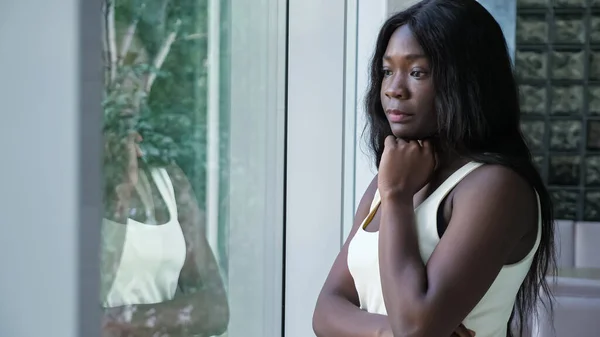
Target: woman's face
point(407, 90)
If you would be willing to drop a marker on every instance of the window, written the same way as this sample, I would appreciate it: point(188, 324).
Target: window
point(194, 110)
point(558, 60)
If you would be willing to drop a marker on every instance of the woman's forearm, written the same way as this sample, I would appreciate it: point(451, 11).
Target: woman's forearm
point(403, 273)
point(335, 316)
point(200, 313)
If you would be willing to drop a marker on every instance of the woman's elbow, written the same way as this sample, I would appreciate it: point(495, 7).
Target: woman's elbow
point(409, 331)
point(413, 323)
point(213, 318)
point(417, 327)
point(318, 327)
point(318, 319)
point(221, 318)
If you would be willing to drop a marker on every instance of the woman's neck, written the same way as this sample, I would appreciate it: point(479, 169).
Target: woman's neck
point(446, 158)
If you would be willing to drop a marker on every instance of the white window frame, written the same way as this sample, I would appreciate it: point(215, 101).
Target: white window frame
point(257, 87)
point(213, 126)
point(315, 153)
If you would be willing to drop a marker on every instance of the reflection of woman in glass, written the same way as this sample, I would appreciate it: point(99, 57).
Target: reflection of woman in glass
point(456, 231)
point(159, 274)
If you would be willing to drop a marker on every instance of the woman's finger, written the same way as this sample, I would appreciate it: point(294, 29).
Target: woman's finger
point(462, 331)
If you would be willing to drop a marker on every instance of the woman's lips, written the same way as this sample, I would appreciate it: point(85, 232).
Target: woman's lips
point(397, 116)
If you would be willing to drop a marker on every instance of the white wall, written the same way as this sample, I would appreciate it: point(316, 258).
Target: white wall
point(49, 98)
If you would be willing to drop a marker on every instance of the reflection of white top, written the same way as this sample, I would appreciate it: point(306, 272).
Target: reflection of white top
point(489, 318)
point(151, 257)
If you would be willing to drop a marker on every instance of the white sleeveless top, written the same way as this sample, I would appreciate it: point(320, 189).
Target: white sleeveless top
point(141, 263)
point(490, 317)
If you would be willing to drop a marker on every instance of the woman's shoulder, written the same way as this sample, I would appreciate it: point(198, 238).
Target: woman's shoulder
point(371, 190)
point(182, 188)
point(364, 206)
point(498, 183)
point(496, 176)
point(176, 175)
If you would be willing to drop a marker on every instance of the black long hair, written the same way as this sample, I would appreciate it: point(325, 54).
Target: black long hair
point(477, 105)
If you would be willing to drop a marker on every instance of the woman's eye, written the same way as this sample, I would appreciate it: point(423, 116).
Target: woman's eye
point(387, 72)
point(417, 73)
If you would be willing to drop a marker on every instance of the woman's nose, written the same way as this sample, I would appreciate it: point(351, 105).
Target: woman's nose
point(397, 89)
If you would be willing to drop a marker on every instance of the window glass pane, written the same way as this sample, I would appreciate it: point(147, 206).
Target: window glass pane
point(193, 167)
point(564, 103)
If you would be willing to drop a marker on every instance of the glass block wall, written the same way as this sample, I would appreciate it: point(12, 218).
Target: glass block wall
point(558, 64)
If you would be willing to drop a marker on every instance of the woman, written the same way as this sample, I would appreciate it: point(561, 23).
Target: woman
point(456, 230)
point(159, 273)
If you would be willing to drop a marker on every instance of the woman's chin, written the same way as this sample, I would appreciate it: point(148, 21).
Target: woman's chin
point(405, 134)
point(408, 134)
